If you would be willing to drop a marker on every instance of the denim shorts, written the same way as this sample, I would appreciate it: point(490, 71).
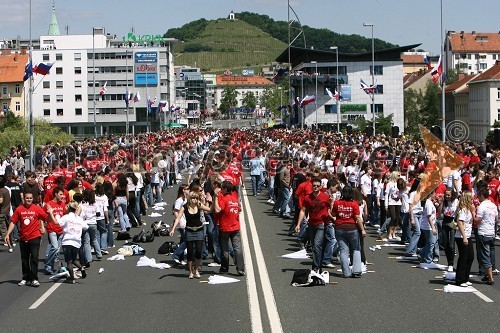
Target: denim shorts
point(70, 253)
point(485, 245)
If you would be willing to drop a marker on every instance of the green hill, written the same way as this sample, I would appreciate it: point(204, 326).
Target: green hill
point(223, 44)
point(253, 40)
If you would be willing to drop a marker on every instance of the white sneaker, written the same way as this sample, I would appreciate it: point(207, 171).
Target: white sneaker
point(35, 283)
point(330, 265)
point(183, 263)
point(213, 264)
point(22, 283)
point(450, 268)
point(11, 250)
point(468, 283)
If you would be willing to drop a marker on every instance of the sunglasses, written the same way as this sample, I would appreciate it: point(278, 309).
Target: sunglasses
point(316, 185)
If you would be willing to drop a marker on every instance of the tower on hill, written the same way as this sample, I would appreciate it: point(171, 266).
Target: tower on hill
point(231, 16)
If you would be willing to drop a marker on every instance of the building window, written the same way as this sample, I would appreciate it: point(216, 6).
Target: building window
point(46, 57)
point(78, 112)
point(59, 56)
point(379, 90)
point(60, 112)
point(5, 107)
point(498, 93)
point(78, 84)
point(379, 70)
point(46, 84)
point(331, 108)
point(46, 112)
point(5, 90)
point(379, 108)
point(469, 56)
point(59, 98)
point(78, 98)
point(18, 106)
point(483, 65)
point(59, 84)
point(59, 70)
point(78, 70)
point(18, 88)
point(46, 98)
point(78, 56)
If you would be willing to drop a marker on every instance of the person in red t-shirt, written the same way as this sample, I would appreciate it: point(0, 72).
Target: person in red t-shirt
point(347, 221)
point(227, 206)
point(54, 231)
point(316, 205)
point(30, 218)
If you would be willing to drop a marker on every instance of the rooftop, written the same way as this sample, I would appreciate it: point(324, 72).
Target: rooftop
point(475, 42)
point(492, 73)
point(12, 67)
point(458, 85)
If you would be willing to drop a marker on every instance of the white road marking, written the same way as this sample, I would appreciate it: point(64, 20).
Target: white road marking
point(483, 297)
point(253, 298)
point(45, 296)
point(272, 310)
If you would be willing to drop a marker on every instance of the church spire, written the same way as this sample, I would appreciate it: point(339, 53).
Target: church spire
point(53, 26)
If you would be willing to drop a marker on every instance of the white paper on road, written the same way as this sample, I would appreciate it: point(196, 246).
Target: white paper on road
point(151, 262)
point(160, 204)
point(158, 208)
point(407, 258)
point(433, 266)
point(393, 245)
point(450, 288)
point(302, 254)
point(451, 276)
point(217, 279)
point(117, 257)
point(59, 276)
point(376, 247)
point(154, 214)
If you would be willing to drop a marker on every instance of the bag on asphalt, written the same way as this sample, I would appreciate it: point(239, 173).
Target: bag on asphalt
point(160, 228)
point(139, 237)
point(123, 235)
point(309, 278)
point(148, 237)
point(166, 248)
point(131, 250)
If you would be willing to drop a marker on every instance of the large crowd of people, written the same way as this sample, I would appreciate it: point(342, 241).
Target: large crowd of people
point(330, 187)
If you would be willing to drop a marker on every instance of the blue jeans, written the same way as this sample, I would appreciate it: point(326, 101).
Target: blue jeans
point(415, 236)
point(54, 248)
point(270, 188)
point(283, 199)
point(92, 239)
point(349, 240)
point(255, 184)
point(156, 187)
point(102, 232)
point(427, 253)
point(303, 235)
point(122, 213)
point(179, 253)
point(329, 245)
point(375, 214)
point(148, 194)
point(487, 251)
point(233, 238)
point(316, 235)
point(406, 227)
point(111, 214)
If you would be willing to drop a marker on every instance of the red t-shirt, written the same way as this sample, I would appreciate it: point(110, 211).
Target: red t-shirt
point(493, 187)
point(304, 189)
point(229, 219)
point(59, 209)
point(318, 207)
point(49, 183)
point(345, 211)
point(29, 221)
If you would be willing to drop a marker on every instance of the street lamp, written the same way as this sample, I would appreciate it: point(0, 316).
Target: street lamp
point(281, 103)
point(337, 84)
point(93, 80)
point(316, 93)
point(373, 73)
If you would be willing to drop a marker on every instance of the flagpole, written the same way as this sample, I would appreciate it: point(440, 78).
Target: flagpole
point(148, 106)
point(93, 79)
point(30, 105)
point(126, 93)
point(443, 111)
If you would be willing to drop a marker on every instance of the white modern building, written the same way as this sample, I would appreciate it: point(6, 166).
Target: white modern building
point(472, 53)
point(316, 70)
point(65, 96)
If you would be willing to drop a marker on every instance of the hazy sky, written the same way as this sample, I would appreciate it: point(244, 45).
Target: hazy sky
point(401, 22)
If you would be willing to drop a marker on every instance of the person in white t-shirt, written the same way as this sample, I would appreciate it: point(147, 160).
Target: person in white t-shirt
point(463, 239)
point(486, 217)
point(429, 229)
point(73, 226)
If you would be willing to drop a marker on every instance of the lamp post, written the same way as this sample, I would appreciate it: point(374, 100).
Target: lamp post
point(373, 73)
point(316, 93)
point(93, 79)
point(443, 111)
point(337, 84)
point(281, 103)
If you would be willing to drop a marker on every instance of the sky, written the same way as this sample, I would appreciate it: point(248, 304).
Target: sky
point(401, 22)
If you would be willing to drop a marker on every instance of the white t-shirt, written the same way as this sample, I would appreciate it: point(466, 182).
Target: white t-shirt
point(417, 207)
point(177, 206)
point(488, 213)
point(366, 184)
point(428, 213)
point(101, 203)
point(89, 213)
point(465, 216)
point(72, 225)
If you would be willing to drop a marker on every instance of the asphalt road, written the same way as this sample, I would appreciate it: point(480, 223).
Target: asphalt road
point(124, 298)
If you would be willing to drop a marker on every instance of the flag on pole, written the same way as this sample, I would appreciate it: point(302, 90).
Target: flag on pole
point(335, 96)
point(307, 100)
point(103, 89)
point(137, 97)
point(128, 97)
point(427, 61)
point(280, 73)
point(437, 71)
point(162, 104)
point(28, 71)
point(42, 69)
point(152, 102)
point(368, 89)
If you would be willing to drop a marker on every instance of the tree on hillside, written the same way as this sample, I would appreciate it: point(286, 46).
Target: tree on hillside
point(228, 101)
point(188, 31)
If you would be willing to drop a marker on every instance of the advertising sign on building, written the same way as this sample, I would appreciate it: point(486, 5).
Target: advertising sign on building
point(346, 92)
point(247, 72)
point(146, 68)
point(149, 79)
